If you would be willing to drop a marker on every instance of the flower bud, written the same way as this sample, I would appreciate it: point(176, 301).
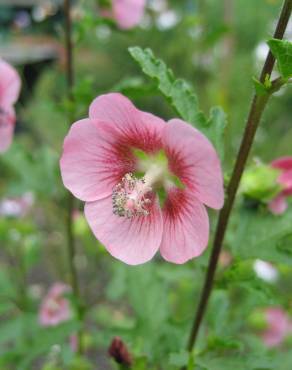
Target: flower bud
point(259, 182)
point(119, 352)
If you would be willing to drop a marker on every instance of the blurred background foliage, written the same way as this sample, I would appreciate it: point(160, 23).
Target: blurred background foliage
point(217, 46)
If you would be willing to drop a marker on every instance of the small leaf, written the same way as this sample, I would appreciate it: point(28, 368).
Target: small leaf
point(259, 87)
point(282, 51)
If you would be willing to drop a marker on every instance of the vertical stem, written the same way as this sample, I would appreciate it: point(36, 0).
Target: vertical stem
point(71, 245)
point(254, 117)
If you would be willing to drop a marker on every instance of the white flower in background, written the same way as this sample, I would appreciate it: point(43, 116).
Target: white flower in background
point(16, 206)
point(167, 20)
point(265, 271)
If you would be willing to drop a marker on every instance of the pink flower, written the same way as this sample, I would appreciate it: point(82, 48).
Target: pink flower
point(279, 326)
point(55, 307)
point(16, 206)
point(9, 91)
point(279, 204)
point(145, 182)
point(127, 13)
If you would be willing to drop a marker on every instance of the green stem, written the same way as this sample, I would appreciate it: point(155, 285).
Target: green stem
point(256, 110)
point(71, 243)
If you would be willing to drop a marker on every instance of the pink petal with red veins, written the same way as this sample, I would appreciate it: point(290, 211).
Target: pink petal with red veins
point(136, 128)
point(186, 227)
point(194, 160)
point(7, 124)
point(128, 13)
point(283, 163)
point(133, 241)
point(9, 84)
point(278, 205)
point(93, 160)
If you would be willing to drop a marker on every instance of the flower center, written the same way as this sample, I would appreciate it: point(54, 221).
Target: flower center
point(131, 197)
point(134, 194)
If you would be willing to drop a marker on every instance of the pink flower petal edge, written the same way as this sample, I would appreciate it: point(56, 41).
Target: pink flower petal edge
point(133, 241)
point(185, 227)
point(279, 326)
point(9, 92)
point(194, 160)
point(92, 162)
point(279, 204)
point(127, 13)
point(9, 84)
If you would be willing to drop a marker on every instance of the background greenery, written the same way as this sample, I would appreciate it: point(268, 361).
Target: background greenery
point(214, 45)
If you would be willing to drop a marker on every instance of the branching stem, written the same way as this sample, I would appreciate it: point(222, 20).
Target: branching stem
point(256, 110)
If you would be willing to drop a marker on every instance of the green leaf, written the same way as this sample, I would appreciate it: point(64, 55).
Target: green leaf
point(179, 359)
point(239, 362)
point(282, 51)
point(177, 91)
point(260, 234)
point(182, 359)
point(181, 96)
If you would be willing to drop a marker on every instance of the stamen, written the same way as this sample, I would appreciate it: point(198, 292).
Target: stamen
point(131, 197)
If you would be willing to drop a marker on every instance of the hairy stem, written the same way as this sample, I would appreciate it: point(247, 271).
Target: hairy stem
point(256, 110)
point(71, 245)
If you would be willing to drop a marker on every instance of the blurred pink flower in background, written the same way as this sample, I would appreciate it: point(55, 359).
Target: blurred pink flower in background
point(279, 204)
point(55, 307)
point(16, 206)
point(127, 13)
point(278, 326)
point(9, 92)
point(145, 182)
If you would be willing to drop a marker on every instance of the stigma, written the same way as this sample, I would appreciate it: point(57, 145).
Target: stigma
point(131, 197)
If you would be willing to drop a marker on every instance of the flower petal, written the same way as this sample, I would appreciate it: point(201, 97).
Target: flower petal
point(93, 160)
point(194, 160)
point(186, 227)
point(278, 326)
point(278, 205)
point(128, 13)
point(283, 163)
point(133, 241)
point(138, 129)
point(9, 84)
